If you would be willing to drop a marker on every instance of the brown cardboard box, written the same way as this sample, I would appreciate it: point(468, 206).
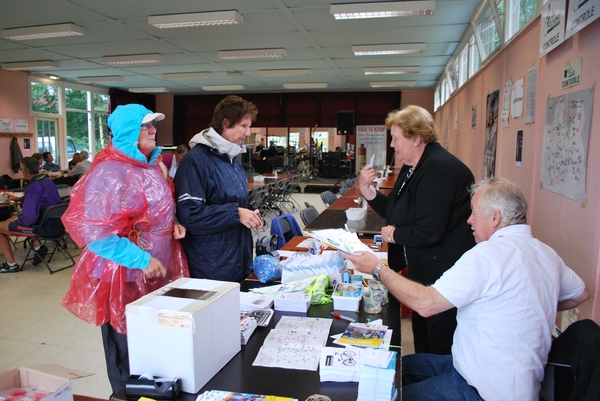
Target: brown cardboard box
point(54, 379)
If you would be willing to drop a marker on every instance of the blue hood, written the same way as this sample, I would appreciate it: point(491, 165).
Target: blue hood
point(125, 123)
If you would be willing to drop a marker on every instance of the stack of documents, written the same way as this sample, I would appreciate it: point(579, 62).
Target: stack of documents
point(217, 395)
point(377, 380)
point(300, 265)
point(364, 335)
point(346, 364)
point(292, 302)
point(247, 326)
point(249, 301)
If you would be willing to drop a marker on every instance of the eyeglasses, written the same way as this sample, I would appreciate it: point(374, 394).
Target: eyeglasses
point(147, 126)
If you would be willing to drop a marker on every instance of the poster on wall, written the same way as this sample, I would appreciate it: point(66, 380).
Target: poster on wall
point(552, 25)
point(6, 125)
point(370, 145)
point(580, 14)
point(21, 125)
point(491, 131)
point(531, 91)
point(571, 74)
point(519, 148)
point(474, 116)
point(506, 103)
point(517, 98)
point(566, 139)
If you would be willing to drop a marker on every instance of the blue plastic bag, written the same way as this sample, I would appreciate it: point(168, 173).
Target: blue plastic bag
point(267, 268)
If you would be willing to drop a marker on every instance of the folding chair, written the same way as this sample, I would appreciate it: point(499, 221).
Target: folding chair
point(308, 215)
point(343, 190)
point(53, 212)
point(328, 198)
point(285, 227)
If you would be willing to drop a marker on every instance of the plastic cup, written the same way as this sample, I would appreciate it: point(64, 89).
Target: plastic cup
point(378, 285)
point(372, 300)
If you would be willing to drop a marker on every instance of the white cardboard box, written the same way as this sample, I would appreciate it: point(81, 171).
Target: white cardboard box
point(188, 329)
point(53, 379)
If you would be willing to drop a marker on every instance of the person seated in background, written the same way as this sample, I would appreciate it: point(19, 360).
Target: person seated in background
point(261, 145)
point(41, 193)
point(177, 156)
point(49, 165)
point(40, 159)
point(76, 159)
point(507, 289)
point(82, 167)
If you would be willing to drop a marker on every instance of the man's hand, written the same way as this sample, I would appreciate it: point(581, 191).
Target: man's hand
point(250, 218)
point(366, 262)
point(178, 231)
point(155, 269)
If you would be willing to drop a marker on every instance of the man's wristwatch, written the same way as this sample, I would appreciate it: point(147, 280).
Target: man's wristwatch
point(375, 273)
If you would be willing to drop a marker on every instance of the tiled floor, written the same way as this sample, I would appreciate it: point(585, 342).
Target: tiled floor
point(35, 329)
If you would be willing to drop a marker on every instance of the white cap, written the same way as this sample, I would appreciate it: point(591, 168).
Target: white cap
point(153, 117)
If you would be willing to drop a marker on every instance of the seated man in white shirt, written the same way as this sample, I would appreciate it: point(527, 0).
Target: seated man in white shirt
point(82, 167)
point(507, 289)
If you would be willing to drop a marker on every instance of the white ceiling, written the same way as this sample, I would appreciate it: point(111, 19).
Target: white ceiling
point(304, 28)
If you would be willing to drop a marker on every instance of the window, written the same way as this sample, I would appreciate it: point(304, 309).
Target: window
point(521, 12)
point(86, 118)
point(45, 98)
point(474, 59)
point(487, 26)
point(463, 71)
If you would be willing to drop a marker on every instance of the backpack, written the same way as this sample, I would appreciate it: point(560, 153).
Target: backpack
point(265, 244)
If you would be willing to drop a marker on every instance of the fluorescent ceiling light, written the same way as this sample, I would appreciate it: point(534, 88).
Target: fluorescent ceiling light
point(196, 19)
point(187, 75)
point(391, 70)
point(285, 73)
point(306, 85)
point(149, 90)
point(382, 10)
point(393, 84)
point(31, 65)
point(53, 77)
point(135, 59)
point(380, 50)
point(234, 73)
point(223, 87)
point(42, 32)
point(106, 78)
point(251, 54)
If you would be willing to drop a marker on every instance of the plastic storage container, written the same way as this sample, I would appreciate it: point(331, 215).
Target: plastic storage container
point(346, 296)
point(356, 213)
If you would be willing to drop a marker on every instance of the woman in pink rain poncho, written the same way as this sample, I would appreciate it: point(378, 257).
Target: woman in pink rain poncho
point(122, 212)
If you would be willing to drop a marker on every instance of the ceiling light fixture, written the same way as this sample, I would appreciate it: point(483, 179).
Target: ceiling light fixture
point(187, 75)
point(31, 65)
point(106, 78)
point(223, 87)
point(234, 73)
point(306, 85)
point(381, 10)
point(391, 84)
point(382, 50)
point(134, 59)
point(196, 19)
point(42, 32)
point(391, 70)
point(251, 54)
point(285, 73)
point(54, 77)
point(149, 90)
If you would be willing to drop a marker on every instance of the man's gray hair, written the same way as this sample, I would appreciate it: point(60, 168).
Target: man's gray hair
point(84, 155)
point(504, 196)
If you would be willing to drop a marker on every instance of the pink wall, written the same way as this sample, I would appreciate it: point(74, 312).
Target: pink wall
point(570, 227)
point(14, 104)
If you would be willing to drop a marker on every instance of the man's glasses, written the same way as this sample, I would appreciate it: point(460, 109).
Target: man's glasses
point(147, 126)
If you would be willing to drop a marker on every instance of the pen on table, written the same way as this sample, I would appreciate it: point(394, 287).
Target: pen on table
point(340, 316)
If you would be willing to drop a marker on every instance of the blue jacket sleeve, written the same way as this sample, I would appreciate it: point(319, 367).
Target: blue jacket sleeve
point(122, 251)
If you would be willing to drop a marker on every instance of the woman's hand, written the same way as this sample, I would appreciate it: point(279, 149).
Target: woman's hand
point(155, 269)
point(388, 234)
point(178, 231)
point(367, 175)
point(250, 218)
point(366, 262)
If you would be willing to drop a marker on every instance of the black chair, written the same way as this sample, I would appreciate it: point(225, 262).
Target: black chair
point(53, 212)
point(308, 215)
point(328, 198)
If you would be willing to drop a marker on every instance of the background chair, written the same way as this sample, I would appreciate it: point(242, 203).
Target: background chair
point(285, 227)
point(59, 242)
point(343, 190)
point(308, 215)
point(328, 198)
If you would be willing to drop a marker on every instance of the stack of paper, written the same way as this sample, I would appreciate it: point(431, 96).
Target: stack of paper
point(292, 302)
point(345, 364)
point(217, 395)
point(341, 239)
point(255, 301)
point(247, 326)
point(300, 265)
point(262, 316)
point(364, 335)
point(377, 381)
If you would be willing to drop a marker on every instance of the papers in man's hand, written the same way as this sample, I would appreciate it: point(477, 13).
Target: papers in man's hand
point(295, 344)
point(341, 240)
